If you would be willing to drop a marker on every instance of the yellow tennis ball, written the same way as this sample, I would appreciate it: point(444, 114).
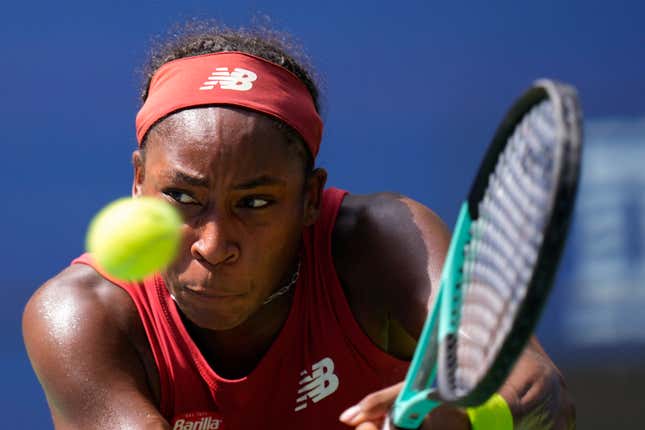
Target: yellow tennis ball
point(132, 238)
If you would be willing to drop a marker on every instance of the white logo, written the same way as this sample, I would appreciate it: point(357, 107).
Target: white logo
point(321, 383)
point(206, 423)
point(238, 79)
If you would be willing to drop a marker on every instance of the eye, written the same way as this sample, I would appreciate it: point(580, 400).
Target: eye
point(254, 202)
point(181, 197)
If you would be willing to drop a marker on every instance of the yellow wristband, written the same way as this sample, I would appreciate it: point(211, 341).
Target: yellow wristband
point(492, 415)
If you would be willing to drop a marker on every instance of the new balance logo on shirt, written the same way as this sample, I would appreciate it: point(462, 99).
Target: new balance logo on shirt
point(238, 80)
point(316, 386)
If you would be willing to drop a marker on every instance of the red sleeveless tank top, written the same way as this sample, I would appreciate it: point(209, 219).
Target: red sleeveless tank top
point(320, 363)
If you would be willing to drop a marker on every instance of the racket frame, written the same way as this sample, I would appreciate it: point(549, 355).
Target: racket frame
point(421, 393)
point(417, 398)
point(566, 111)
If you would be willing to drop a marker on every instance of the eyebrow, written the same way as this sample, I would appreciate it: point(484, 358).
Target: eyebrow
point(260, 181)
point(199, 181)
point(182, 177)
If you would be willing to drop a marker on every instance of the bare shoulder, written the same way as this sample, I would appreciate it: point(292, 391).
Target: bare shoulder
point(76, 291)
point(76, 302)
point(387, 214)
point(392, 230)
point(388, 251)
point(86, 342)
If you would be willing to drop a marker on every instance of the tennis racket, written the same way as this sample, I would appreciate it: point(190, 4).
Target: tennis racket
point(502, 258)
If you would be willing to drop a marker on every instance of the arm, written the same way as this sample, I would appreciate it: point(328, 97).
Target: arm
point(391, 249)
point(80, 334)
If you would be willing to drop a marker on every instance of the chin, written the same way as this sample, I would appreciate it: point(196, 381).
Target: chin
point(219, 324)
point(223, 314)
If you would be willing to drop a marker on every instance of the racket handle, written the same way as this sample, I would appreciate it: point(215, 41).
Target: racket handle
point(388, 424)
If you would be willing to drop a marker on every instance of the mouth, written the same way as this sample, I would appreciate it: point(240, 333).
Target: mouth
point(210, 295)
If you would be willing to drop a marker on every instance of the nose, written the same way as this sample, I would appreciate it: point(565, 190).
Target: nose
point(214, 244)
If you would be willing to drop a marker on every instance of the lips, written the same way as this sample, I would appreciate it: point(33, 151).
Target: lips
point(213, 295)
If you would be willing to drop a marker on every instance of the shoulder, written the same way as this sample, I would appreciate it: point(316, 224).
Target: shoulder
point(391, 229)
point(81, 332)
point(386, 213)
point(388, 251)
point(78, 294)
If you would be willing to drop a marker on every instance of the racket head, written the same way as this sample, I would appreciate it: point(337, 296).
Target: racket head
point(474, 362)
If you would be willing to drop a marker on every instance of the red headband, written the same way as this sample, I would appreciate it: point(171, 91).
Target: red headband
point(231, 78)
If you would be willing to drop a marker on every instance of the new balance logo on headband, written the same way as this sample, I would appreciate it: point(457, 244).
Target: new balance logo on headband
point(238, 80)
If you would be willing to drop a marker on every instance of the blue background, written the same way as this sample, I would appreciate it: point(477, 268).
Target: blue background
point(413, 92)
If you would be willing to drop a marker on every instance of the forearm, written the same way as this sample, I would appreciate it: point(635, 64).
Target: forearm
point(536, 393)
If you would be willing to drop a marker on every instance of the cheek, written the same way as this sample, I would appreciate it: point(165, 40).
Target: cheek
point(274, 242)
point(184, 257)
point(271, 241)
point(280, 224)
point(148, 186)
point(285, 233)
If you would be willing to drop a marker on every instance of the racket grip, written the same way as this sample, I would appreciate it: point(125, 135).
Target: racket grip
point(388, 424)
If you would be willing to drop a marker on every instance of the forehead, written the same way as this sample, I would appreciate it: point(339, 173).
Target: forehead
point(211, 137)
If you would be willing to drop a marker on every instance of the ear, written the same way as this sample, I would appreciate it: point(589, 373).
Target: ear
point(313, 195)
point(138, 163)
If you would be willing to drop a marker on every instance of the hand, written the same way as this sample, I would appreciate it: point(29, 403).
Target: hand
point(536, 393)
point(371, 412)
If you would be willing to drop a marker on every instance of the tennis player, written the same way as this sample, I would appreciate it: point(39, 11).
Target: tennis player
point(288, 306)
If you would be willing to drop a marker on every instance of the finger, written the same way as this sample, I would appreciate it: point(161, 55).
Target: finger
point(379, 403)
point(373, 406)
point(368, 426)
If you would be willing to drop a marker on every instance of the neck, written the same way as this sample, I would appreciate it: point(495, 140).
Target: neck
point(234, 353)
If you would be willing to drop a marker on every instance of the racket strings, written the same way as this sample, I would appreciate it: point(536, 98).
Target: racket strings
point(505, 241)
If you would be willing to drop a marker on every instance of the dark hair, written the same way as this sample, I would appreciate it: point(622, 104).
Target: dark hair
point(206, 37)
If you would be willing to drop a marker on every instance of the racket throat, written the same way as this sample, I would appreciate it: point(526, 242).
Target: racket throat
point(409, 413)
